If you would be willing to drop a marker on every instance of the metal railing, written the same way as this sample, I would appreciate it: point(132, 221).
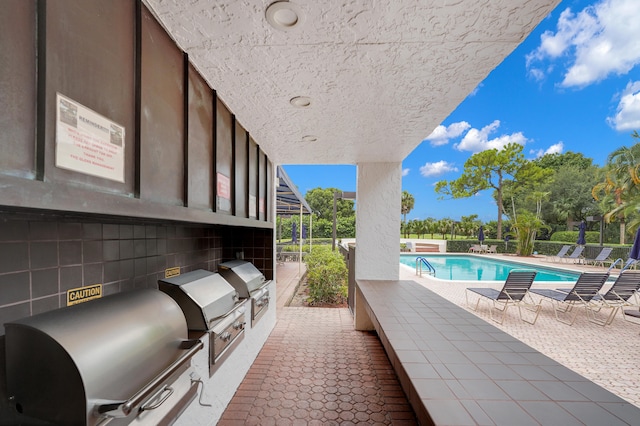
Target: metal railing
point(422, 262)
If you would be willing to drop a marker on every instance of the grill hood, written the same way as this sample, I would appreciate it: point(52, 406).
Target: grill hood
point(204, 296)
point(96, 360)
point(243, 276)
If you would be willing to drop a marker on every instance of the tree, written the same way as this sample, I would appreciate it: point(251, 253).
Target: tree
point(406, 204)
point(567, 159)
point(569, 190)
point(469, 225)
point(491, 169)
point(321, 202)
point(526, 224)
point(443, 226)
point(620, 190)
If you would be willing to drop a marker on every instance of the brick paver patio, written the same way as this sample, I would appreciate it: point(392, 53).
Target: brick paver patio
point(315, 369)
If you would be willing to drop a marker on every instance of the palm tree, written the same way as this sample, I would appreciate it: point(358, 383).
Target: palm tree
point(620, 191)
point(444, 227)
point(420, 227)
point(430, 225)
point(406, 204)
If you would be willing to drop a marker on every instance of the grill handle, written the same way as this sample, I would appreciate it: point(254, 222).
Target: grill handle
point(124, 408)
point(166, 388)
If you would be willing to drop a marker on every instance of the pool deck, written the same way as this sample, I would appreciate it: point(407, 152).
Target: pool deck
point(606, 355)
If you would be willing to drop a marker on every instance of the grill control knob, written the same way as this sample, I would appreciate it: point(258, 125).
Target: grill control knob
point(226, 336)
point(239, 325)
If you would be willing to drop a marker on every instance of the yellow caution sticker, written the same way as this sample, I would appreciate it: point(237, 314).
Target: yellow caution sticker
point(172, 272)
point(83, 294)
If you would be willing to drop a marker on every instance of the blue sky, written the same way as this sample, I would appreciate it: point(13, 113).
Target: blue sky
point(572, 85)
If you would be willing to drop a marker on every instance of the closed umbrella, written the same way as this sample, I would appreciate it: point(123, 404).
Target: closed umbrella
point(303, 234)
point(582, 229)
point(294, 232)
point(634, 253)
point(481, 235)
point(635, 248)
point(506, 237)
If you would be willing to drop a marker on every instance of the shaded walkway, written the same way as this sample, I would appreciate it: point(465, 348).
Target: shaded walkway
point(315, 369)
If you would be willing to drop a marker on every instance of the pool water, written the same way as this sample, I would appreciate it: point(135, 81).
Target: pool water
point(475, 268)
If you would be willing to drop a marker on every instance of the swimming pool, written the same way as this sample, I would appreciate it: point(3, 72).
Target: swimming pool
point(474, 268)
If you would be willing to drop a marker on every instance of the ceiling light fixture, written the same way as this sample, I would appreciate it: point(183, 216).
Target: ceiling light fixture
point(300, 101)
point(283, 15)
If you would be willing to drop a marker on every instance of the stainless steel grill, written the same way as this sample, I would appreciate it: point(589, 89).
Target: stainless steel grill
point(250, 283)
point(114, 360)
point(212, 305)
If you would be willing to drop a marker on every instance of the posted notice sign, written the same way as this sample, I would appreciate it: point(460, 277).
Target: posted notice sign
point(87, 142)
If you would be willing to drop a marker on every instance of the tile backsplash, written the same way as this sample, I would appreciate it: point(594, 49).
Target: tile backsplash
point(41, 257)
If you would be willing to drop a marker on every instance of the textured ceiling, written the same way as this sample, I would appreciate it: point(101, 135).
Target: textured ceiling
point(381, 75)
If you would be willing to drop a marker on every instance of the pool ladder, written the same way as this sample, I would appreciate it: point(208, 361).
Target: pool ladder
point(422, 262)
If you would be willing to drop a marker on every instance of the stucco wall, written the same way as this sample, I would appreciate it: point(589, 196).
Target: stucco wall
point(378, 220)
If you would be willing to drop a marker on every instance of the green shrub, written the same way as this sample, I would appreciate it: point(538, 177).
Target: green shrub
point(463, 246)
point(591, 237)
point(326, 276)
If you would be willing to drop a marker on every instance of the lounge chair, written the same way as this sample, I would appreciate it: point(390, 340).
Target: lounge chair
point(576, 255)
point(492, 249)
point(602, 257)
point(584, 290)
point(561, 253)
point(512, 293)
point(623, 293)
point(475, 249)
point(631, 263)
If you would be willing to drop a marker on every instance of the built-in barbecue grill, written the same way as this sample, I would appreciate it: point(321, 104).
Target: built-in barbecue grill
point(249, 282)
point(119, 359)
point(212, 305)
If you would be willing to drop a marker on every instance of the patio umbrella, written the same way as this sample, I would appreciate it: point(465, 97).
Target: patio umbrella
point(635, 248)
point(581, 233)
point(481, 235)
point(303, 233)
point(506, 237)
point(294, 232)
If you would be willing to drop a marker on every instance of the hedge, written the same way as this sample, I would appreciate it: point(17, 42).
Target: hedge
point(326, 276)
point(541, 247)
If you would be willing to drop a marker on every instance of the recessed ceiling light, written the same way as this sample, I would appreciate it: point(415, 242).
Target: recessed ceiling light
point(300, 101)
point(309, 138)
point(283, 15)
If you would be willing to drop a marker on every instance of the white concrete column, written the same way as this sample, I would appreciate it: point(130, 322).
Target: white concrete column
point(378, 198)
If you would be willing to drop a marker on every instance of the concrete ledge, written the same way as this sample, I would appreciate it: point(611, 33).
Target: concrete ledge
point(456, 369)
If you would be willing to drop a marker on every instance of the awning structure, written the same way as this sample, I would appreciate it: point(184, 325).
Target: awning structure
point(289, 201)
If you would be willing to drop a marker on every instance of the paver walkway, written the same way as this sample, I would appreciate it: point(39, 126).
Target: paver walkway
point(315, 369)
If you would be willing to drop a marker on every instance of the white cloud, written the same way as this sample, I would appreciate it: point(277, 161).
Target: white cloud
point(476, 90)
point(599, 40)
point(553, 149)
point(437, 169)
point(442, 134)
point(628, 112)
point(405, 172)
point(478, 140)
